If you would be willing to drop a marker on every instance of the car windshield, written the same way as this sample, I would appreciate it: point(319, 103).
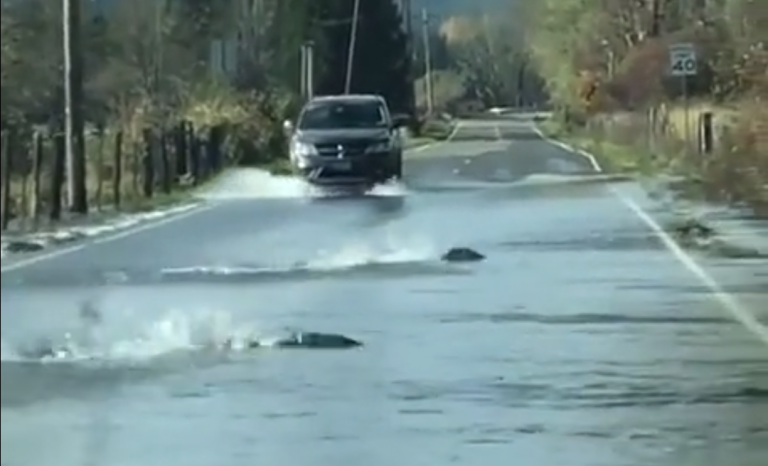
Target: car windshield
point(329, 115)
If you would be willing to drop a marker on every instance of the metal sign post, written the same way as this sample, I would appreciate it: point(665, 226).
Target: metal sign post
point(683, 63)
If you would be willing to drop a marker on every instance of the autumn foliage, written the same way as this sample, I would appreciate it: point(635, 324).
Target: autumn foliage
point(609, 60)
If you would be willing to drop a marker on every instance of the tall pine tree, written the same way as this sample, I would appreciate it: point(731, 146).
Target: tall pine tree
point(381, 60)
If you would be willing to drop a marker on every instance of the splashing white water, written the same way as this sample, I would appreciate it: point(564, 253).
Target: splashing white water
point(216, 270)
point(389, 189)
point(112, 339)
point(252, 183)
point(393, 250)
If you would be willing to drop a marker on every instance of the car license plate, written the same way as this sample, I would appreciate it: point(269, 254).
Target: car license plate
point(342, 165)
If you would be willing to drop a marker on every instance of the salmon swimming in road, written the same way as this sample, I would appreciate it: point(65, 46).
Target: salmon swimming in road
point(307, 340)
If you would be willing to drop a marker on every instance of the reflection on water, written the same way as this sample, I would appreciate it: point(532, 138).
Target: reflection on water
point(579, 341)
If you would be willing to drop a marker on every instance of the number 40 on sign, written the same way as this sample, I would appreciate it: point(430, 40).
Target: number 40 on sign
point(682, 60)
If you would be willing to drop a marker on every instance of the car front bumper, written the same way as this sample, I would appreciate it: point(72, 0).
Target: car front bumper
point(361, 168)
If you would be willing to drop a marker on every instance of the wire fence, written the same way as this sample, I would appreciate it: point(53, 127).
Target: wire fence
point(123, 172)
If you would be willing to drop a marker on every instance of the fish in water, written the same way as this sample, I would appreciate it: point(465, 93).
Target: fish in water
point(297, 340)
point(462, 255)
point(309, 340)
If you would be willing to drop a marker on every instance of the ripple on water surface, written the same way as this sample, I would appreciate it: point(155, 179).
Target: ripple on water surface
point(588, 341)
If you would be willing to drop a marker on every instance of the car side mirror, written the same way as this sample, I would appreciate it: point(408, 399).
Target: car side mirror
point(288, 127)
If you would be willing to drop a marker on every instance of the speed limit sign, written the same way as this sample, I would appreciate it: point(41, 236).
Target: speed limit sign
point(682, 60)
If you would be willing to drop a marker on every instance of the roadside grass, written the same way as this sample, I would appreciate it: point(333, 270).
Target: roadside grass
point(416, 142)
point(102, 208)
point(431, 131)
point(249, 137)
point(736, 173)
point(613, 157)
point(437, 129)
point(683, 121)
point(101, 194)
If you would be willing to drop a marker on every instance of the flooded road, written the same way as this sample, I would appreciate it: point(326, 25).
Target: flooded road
point(580, 340)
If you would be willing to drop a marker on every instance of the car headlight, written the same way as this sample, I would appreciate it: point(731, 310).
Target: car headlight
point(381, 146)
point(302, 149)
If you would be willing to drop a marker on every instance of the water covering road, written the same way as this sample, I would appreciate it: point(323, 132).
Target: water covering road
point(581, 340)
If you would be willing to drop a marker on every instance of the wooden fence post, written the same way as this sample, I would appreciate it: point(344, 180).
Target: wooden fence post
point(148, 164)
point(117, 171)
point(37, 176)
point(99, 169)
point(181, 149)
point(57, 175)
point(194, 157)
point(166, 179)
point(6, 173)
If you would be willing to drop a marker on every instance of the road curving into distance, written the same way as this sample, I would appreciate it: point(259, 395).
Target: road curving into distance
point(582, 338)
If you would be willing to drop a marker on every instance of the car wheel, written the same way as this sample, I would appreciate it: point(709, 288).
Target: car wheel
point(395, 169)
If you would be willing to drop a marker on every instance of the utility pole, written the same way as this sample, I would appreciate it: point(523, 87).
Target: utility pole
point(310, 69)
point(406, 12)
point(656, 16)
point(77, 195)
point(159, 45)
point(352, 44)
point(427, 62)
point(303, 71)
point(307, 69)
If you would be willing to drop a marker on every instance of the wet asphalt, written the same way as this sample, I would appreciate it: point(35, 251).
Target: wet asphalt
point(581, 339)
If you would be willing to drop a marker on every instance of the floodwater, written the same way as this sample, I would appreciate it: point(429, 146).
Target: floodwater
point(581, 340)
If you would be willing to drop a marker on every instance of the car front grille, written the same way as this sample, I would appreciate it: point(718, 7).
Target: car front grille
point(348, 148)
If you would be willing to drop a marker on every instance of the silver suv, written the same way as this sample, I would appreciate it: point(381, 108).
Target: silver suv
point(346, 139)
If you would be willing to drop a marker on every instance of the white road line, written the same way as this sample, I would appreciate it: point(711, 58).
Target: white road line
point(433, 145)
point(730, 304)
point(591, 158)
point(422, 147)
point(56, 253)
point(455, 130)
